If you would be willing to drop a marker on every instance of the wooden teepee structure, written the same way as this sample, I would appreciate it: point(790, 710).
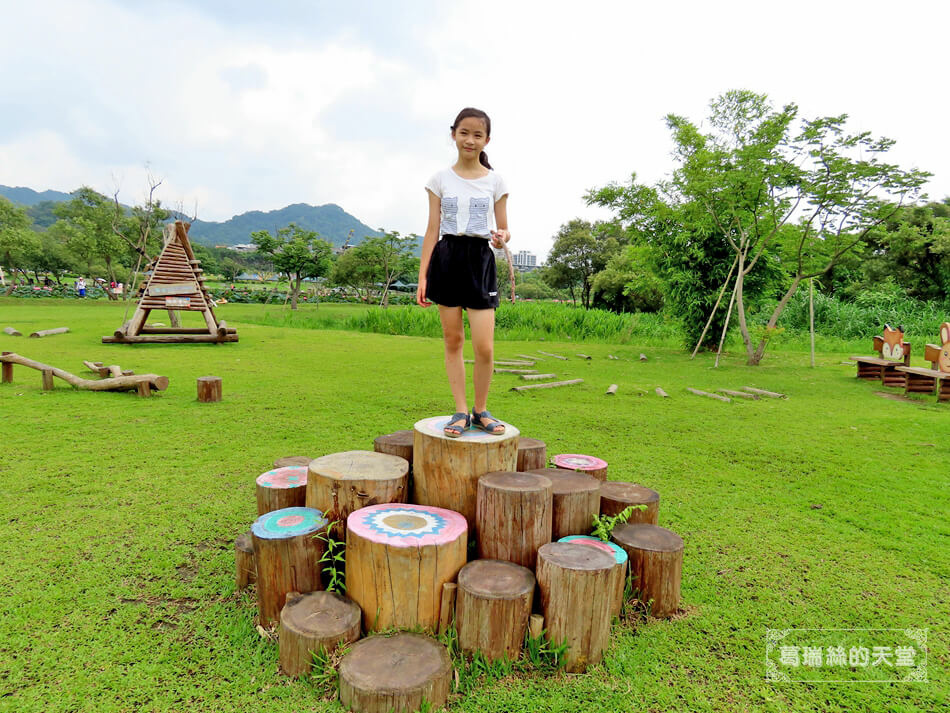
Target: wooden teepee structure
point(176, 283)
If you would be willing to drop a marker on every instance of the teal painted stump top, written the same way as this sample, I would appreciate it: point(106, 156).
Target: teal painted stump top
point(289, 522)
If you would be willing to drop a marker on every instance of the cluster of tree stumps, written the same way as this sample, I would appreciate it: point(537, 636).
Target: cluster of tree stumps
point(410, 513)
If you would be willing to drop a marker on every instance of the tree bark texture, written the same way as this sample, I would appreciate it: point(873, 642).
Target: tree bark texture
point(514, 516)
point(314, 622)
point(341, 483)
point(492, 608)
point(577, 585)
point(616, 496)
point(282, 488)
point(395, 674)
point(620, 564)
point(288, 552)
point(395, 444)
point(656, 565)
point(397, 559)
point(576, 501)
point(446, 470)
point(245, 568)
point(532, 454)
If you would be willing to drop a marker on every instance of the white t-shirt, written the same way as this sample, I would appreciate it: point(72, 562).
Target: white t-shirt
point(468, 204)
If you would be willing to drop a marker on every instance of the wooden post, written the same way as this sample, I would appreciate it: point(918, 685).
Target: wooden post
point(398, 557)
point(245, 568)
point(656, 565)
point(398, 443)
point(447, 608)
point(47, 379)
point(395, 674)
point(282, 488)
point(288, 557)
point(143, 389)
point(549, 385)
point(49, 332)
point(12, 332)
point(577, 585)
point(446, 470)
point(513, 516)
point(209, 389)
point(585, 464)
point(292, 460)
point(616, 496)
point(576, 501)
point(535, 626)
point(532, 454)
point(341, 483)
point(611, 390)
point(494, 602)
point(7, 370)
point(314, 622)
point(620, 560)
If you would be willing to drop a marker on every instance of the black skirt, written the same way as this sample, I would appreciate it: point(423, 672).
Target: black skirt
point(461, 273)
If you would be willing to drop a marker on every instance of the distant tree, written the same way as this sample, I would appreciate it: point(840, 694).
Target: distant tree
point(393, 257)
point(298, 253)
point(229, 269)
point(580, 251)
point(629, 283)
point(89, 217)
point(17, 240)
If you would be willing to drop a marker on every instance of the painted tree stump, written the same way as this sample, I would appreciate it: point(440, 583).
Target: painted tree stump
point(245, 569)
point(288, 557)
point(513, 516)
point(341, 483)
point(656, 564)
point(292, 460)
point(616, 496)
point(577, 584)
point(532, 454)
point(282, 488)
point(209, 389)
point(620, 564)
point(395, 674)
point(576, 501)
point(395, 444)
point(492, 607)
point(446, 470)
point(314, 622)
point(397, 559)
point(586, 464)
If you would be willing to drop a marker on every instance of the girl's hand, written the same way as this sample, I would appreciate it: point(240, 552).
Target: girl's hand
point(500, 237)
point(421, 294)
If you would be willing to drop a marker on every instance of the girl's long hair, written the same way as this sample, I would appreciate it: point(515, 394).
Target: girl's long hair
point(477, 114)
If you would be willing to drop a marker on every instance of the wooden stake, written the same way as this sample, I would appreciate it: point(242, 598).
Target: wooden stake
point(538, 377)
point(209, 389)
point(48, 332)
point(447, 608)
point(611, 356)
point(662, 393)
point(643, 357)
point(762, 392)
point(7, 370)
point(529, 358)
point(550, 385)
point(739, 394)
point(611, 390)
point(516, 371)
point(245, 568)
point(47, 379)
point(715, 307)
point(725, 327)
point(555, 356)
point(143, 389)
point(535, 626)
point(12, 332)
point(712, 396)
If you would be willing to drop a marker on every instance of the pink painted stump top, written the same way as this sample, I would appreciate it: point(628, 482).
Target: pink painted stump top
point(293, 476)
point(577, 461)
point(399, 525)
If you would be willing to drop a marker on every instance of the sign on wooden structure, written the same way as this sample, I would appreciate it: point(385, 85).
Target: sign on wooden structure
point(178, 288)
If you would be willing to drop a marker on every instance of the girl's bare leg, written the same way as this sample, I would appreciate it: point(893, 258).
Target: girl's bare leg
point(482, 323)
point(453, 335)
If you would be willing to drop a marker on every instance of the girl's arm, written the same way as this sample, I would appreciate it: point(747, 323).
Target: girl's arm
point(501, 235)
point(428, 244)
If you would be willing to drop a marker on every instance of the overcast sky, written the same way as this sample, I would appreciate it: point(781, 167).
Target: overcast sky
point(245, 105)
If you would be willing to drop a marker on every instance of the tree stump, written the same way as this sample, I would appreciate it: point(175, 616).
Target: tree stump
point(513, 516)
point(576, 501)
point(395, 674)
point(586, 464)
point(292, 460)
point(209, 389)
point(245, 569)
point(656, 564)
point(342, 483)
point(288, 557)
point(616, 496)
point(620, 564)
point(395, 444)
point(446, 470)
point(313, 622)
point(492, 607)
point(397, 559)
point(282, 488)
point(577, 584)
point(532, 454)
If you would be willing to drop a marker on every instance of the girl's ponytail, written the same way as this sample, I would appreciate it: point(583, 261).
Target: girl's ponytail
point(483, 159)
point(477, 114)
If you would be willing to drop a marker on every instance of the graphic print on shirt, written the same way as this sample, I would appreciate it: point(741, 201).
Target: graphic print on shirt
point(450, 209)
point(477, 216)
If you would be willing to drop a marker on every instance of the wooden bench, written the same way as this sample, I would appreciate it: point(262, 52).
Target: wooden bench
point(893, 352)
point(936, 379)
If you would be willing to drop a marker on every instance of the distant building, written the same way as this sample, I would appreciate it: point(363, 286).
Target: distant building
point(525, 259)
point(244, 248)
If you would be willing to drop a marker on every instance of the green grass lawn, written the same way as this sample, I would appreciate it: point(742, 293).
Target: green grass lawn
point(825, 510)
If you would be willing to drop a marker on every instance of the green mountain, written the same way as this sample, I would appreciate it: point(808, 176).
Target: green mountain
point(29, 197)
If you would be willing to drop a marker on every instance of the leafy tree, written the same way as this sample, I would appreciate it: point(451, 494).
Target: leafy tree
point(628, 283)
point(296, 252)
point(229, 269)
point(17, 240)
point(89, 219)
point(393, 257)
point(580, 251)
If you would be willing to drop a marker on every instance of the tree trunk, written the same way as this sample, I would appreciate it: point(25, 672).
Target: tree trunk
point(740, 307)
point(513, 516)
point(295, 292)
point(776, 313)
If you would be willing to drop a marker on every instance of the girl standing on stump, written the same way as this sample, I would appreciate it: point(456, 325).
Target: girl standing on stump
point(457, 269)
